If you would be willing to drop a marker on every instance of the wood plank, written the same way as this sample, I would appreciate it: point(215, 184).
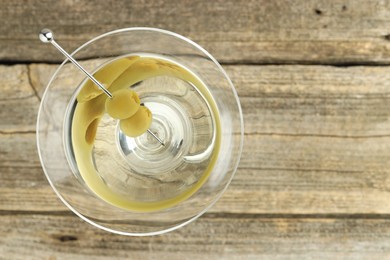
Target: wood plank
point(334, 32)
point(211, 237)
point(315, 100)
point(336, 101)
point(291, 174)
point(300, 100)
point(316, 141)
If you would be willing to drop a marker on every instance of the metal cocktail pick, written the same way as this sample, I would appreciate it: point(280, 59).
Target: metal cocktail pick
point(46, 36)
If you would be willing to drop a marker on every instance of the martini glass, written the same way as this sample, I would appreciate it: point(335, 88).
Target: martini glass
point(137, 185)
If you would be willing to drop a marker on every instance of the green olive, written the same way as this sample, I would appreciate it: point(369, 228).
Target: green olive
point(137, 124)
point(123, 104)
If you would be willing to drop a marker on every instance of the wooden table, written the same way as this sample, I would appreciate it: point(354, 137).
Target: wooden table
point(313, 77)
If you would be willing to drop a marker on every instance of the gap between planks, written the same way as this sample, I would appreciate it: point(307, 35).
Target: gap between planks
point(226, 215)
point(233, 63)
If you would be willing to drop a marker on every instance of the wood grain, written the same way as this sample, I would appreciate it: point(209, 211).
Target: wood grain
point(316, 142)
point(211, 237)
point(332, 32)
point(16, 90)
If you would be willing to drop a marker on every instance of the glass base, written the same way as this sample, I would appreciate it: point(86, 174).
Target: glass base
point(171, 124)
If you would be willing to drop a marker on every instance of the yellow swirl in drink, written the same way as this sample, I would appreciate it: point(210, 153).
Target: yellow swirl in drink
point(135, 173)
